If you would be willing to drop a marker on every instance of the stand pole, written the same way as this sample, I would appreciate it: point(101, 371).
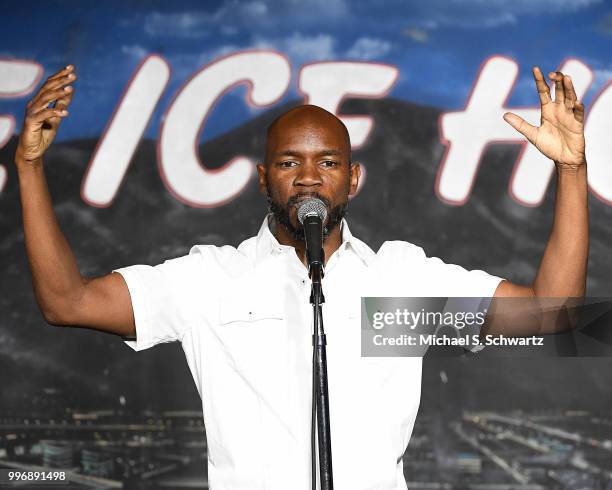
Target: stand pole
point(320, 391)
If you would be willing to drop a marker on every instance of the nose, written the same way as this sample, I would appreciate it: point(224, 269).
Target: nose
point(308, 175)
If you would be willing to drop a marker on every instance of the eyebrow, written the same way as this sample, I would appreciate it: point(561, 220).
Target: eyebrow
point(295, 153)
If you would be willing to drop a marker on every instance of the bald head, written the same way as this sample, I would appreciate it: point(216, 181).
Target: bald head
point(308, 154)
point(302, 119)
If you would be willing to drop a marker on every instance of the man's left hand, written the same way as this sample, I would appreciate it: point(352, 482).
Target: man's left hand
point(560, 136)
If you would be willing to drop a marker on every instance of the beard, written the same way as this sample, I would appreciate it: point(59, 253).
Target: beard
point(281, 214)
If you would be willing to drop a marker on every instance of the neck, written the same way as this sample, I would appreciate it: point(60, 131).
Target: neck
point(330, 244)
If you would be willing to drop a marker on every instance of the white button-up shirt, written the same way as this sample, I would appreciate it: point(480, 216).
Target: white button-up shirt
point(244, 320)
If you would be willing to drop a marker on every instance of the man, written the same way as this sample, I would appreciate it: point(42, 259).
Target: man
point(243, 316)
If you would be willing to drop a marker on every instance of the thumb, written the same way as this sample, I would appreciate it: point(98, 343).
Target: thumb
point(522, 126)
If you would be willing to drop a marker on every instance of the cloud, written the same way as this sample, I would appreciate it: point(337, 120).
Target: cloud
point(418, 35)
point(604, 25)
point(134, 51)
point(232, 15)
point(473, 14)
point(318, 9)
point(194, 24)
point(300, 47)
point(229, 30)
point(368, 48)
point(415, 18)
point(218, 52)
point(179, 25)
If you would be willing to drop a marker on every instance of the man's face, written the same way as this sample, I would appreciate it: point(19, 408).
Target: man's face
point(307, 155)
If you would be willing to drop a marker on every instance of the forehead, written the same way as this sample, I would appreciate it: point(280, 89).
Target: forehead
point(307, 135)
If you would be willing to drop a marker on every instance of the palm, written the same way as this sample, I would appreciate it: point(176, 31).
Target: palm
point(560, 136)
point(35, 141)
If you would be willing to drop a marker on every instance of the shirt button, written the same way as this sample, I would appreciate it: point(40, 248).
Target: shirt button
point(303, 281)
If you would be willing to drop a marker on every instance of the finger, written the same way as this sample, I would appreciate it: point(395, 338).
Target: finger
point(570, 93)
point(62, 73)
point(559, 92)
point(64, 102)
point(48, 97)
point(522, 126)
point(579, 111)
point(60, 82)
point(541, 86)
point(33, 114)
point(43, 95)
point(45, 115)
point(54, 85)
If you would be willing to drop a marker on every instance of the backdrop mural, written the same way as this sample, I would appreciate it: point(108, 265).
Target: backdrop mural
point(167, 122)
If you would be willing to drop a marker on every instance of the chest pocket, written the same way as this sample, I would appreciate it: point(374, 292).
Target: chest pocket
point(252, 331)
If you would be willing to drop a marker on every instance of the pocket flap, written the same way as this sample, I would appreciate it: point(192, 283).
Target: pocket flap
point(238, 310)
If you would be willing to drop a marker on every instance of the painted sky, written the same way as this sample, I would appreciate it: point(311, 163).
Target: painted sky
point(437, 45)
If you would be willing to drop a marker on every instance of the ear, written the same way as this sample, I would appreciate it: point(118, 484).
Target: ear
point(355, 174)
point(262, 178)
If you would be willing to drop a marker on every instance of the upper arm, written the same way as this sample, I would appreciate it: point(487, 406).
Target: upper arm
point(507, 289)
point(105, 305)
point(517, 314)
point(529, 314)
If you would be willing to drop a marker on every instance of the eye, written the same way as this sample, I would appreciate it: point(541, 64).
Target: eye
point(288, 164)
point(329, 163)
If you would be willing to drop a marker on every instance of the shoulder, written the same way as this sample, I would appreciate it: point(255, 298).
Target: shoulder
point(434, 276)
point(230, 260)
point(400, 250)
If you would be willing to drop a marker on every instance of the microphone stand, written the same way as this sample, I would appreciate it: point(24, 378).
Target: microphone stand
point(319, 380)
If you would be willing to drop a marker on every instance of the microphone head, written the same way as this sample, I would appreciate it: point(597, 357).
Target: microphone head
point(310, 207)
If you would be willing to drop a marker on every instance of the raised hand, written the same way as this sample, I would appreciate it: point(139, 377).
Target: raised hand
point(41, 121)
point(560, 136)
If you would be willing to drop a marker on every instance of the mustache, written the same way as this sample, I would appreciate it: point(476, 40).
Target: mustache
point(281, 213)
point(293, 200)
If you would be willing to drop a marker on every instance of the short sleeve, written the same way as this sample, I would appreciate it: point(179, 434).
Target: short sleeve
point(162, 299)
point(455, 280)
point(412, 273)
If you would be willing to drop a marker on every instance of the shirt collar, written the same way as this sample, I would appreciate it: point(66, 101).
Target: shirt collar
point(267, 242)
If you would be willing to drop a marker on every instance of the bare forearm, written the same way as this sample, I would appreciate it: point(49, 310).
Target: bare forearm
point(563, 269)
point(551, 303)
point(55, 275)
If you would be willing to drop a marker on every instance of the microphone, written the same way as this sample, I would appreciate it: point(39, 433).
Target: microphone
point(311, 214)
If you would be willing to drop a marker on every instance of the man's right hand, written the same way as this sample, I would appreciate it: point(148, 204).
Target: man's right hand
point(41, 121)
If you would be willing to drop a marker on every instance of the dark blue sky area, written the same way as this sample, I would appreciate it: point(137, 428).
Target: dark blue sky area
point(437, 45)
